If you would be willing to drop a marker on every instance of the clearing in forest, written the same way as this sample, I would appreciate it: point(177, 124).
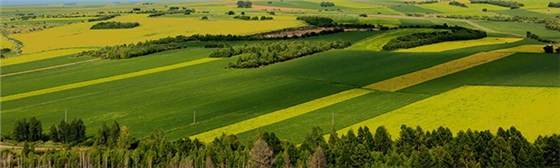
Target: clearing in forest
point(532, 110)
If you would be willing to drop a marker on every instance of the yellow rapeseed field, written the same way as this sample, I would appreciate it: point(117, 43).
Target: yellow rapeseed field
point(452, 45)
point(79, 34)
point(281, 115)
point(524, 49)
point(532, 110)
point(107, 79)
point(40, 56)
point(414, 78)
point(6, 44)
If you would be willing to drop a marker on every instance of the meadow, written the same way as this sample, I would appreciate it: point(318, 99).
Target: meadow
point(474, 84)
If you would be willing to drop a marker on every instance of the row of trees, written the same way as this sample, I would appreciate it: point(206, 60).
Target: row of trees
point(538, 38)
point(273, 52)
point(31, 130)
point(550, 49)
point(459, 4)
point(327, 4)
point(420, 2)
point(554, 4)
point(510, 4)
point(243, 17)
point(27, 130)
point(115, 25)
point(420, 39)
point(317, 20)
point(104, 17)
point(413, 147)
point(244, 4)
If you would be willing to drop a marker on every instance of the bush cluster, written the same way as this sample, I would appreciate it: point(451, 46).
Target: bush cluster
point(101, 18)
point(554, 4)
point(115, 25)
point(272, 52)
point(244, 4)
point(317, 20)
point(510, 4)
point(420, 39)
point(244, 17)
point(327, 4)
point(459, 4)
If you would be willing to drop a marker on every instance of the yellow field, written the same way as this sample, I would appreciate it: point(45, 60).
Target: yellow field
point(532, 110)
point(377, 42)
point(40, 56)
point(524, 49)
point(6, 44)
point(107, 79)
point(281, 115)
point(79, 34)
point(452, 45)
point(414, 78)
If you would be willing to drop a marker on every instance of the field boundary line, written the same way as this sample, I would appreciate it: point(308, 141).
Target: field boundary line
point(281, 115)
point(444, 69)
point(106, 79)
point(47, 68)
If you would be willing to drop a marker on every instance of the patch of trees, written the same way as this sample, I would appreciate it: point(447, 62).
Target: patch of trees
point(115, 25)
point(420, 39)
point(244, 17)
point(156, 14)
point(327, 4)
point(68, 132)
point(510, 4)
point(273, 52)
point(230, 13)
point(553, 24)
point(538, 38)
point(244, 4)
point(317, 20)
point(412, 147)
point(459, 4)
point(216, 45)
point(362, 15)
point(421, 2)
point(101, 18)
point(27, 130)
point(554, 4)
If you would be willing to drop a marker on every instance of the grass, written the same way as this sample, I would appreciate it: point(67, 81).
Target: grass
point(521, 28)
point(103, 80)
point(412, 9)
point(447, 9)
point(28, 66)
point(377, 42)
point(532, 110)
point(79, 35)
point(280, 115)
point(41, 56)
point(411, 79)
point(452, 45)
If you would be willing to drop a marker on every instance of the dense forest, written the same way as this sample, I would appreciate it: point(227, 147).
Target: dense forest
point(420, 39)
point(510, 4)
point(115, 146)
point(266, 53)
point(459, 4)
point(115, 25)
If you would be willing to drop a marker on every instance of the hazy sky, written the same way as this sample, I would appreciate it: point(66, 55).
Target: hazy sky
point(29, 2)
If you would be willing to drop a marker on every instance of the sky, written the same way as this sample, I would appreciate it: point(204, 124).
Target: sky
point(34, 2)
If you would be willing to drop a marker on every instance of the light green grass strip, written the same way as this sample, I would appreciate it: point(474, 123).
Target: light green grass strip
point(281, 115)
point(107, 79)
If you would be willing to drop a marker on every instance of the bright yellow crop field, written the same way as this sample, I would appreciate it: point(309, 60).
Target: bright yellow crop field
point(452, 45)
point(377, 42)
point(40, 56)
point(79, 34)
point(281, 115)
point(524, 49)
point(532, 110)
point(107, 79)
point(414, 78)
point(6, 44)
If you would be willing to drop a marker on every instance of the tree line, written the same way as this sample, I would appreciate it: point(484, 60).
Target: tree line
point(273, 52)
point(538, 38)
point(554, 4)
point(244, 17)
point(105, 17)
point(550, 49)
point(31, 130)
point(420, 39)
point(413, 147)
point(459, 4)
point(509, 4)
point(115, 25)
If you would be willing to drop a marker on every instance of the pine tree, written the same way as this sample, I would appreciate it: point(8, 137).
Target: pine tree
point(382, 140)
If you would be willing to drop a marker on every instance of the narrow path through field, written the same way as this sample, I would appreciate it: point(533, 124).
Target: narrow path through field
point(281, 115)
point(47, 68)
point(104, 80)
